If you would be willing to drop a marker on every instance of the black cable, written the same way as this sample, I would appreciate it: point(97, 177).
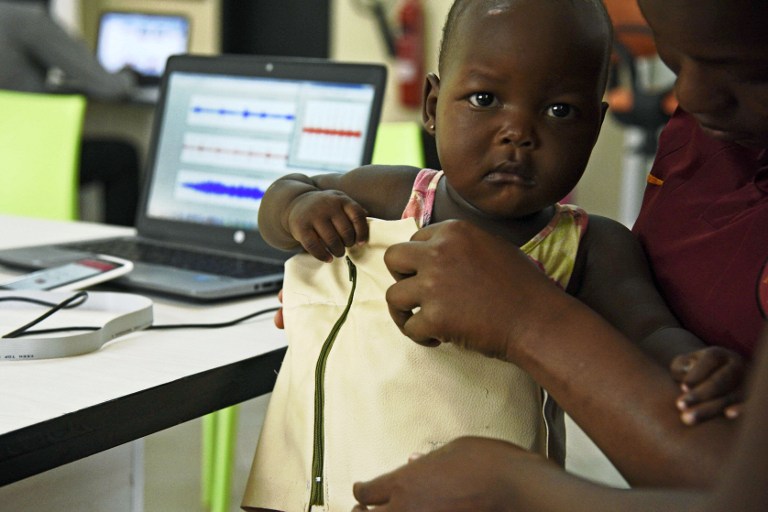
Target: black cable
point(68, 304)
point(74, 301)
point(55, 330)
point(41, 302)
point(219, 325)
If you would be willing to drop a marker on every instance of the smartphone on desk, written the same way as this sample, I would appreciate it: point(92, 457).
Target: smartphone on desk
point(75, 275)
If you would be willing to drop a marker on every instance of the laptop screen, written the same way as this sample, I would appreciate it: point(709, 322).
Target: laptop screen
point(140, 40)
point(224, 139)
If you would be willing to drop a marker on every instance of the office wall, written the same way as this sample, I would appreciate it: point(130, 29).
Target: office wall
point(356, 37)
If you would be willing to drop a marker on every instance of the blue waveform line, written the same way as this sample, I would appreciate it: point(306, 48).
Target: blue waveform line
point(242, 113)
point(221, 189)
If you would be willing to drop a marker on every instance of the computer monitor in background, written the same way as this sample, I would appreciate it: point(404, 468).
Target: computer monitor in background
point(143, 41)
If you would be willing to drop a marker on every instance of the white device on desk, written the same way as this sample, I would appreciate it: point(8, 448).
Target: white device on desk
point(76, 275)
point(106, 315)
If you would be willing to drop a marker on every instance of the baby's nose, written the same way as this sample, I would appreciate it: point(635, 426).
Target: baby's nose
point(517, 130)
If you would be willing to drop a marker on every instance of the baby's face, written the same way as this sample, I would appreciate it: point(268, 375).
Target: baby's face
point(719, 50)
point(519, 107)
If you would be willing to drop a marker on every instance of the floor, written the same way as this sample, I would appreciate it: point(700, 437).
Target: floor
point(172, 461)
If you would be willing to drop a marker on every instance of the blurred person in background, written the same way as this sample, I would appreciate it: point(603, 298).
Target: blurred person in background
point(37, 55)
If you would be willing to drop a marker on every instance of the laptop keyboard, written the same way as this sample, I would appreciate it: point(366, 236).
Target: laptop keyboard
point(138, 251)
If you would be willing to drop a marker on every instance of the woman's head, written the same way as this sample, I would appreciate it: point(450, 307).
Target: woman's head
point(719, 51)
point(518, 104)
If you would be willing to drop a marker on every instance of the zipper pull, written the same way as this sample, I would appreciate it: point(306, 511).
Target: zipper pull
point(352, 269)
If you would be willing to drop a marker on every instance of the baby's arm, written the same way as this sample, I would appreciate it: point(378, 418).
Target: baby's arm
point(326, 213)
point(311, 212)
point(614, 279)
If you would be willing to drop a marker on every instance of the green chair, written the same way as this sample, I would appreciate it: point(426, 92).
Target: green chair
point(218, 453)
point(40, 153)
point(398, 143)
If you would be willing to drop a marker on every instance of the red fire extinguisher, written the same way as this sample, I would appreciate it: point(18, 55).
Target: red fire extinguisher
point(409, 52)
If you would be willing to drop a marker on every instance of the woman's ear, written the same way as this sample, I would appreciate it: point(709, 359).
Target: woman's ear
point(429, 103)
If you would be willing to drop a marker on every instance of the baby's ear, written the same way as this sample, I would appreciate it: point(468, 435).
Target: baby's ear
point(429, 102)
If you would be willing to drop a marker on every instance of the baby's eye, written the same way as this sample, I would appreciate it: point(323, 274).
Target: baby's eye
point(482, 99)
point(560, 110)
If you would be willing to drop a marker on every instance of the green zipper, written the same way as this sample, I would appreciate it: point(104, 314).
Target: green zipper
point(316, 495)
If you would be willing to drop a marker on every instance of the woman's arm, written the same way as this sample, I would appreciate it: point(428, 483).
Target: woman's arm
point(53, 47)
point(460, 284)
point(476, 474)
point(743, 483)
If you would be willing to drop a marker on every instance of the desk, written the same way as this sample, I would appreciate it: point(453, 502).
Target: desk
point(60, 410)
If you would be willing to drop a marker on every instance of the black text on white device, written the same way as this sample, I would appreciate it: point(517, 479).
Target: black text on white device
point(72, 276)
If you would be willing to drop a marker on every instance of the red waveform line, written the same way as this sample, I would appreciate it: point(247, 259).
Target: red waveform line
point(236, 152)
point(331, 131)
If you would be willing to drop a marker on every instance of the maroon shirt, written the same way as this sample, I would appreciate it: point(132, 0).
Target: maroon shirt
point(704, 227)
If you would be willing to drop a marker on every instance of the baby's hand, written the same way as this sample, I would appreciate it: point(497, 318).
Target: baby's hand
point(325, 222)
point(712, 382)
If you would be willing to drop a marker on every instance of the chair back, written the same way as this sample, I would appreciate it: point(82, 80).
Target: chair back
point(636, 103)
point(40, 153)
point(398, 143)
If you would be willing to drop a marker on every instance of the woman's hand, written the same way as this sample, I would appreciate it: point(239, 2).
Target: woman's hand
point(460, 284)
point(477, 474)
point(467, 474)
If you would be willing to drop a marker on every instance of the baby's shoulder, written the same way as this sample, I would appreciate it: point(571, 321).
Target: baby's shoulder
point(605, 237)
point(605, 231)
point(608, 247)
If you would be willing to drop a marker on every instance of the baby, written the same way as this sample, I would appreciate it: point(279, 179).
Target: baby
point(516, 110)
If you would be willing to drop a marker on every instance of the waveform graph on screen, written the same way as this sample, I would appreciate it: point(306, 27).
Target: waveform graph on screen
point(226, 190)
point(235, 152)
point(331, 134)
point(273, 116)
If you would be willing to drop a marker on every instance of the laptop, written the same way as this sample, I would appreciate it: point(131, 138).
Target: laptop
point(225, 128)
point(143, 42)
